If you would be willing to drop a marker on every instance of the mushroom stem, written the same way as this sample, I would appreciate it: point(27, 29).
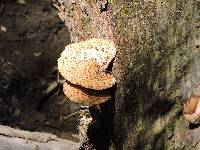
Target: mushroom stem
point(84, 121)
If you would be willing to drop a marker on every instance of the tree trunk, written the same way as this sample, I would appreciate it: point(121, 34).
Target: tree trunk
point(157, 68)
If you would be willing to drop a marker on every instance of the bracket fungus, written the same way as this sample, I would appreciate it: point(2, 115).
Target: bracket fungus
point(84, 66)
point(85, 63)
point(191, 110)
point(85, 96)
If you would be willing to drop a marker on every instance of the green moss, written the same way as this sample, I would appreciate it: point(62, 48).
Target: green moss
point(170, 126)
point(90, 1)
point(111, 1)
point(139, 129)
point(85, 25)
point(148, 147)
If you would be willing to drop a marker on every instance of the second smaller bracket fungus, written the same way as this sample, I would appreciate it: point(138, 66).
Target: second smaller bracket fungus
point(85, 96)
point(85, 63)
point(191, 110)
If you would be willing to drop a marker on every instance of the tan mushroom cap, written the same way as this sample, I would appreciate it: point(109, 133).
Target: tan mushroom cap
point(84, 63)
point(85, 96)
point(191, 110)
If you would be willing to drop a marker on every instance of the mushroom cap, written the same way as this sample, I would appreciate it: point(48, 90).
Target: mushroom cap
point(85, 96)
point(85, 63)
point(191, 110)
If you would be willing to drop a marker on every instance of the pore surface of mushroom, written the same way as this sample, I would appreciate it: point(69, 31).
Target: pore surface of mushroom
point(85, 63)
point(191, 110)
point(85, 96)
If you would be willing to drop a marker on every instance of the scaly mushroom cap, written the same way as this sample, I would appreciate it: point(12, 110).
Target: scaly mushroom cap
point(85, 63)
point(191, 110)
point(85, 96)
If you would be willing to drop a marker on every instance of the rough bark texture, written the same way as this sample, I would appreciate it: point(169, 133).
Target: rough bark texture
point(157, 67)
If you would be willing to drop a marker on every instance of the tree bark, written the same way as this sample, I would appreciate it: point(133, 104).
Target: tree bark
point(157, 67)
